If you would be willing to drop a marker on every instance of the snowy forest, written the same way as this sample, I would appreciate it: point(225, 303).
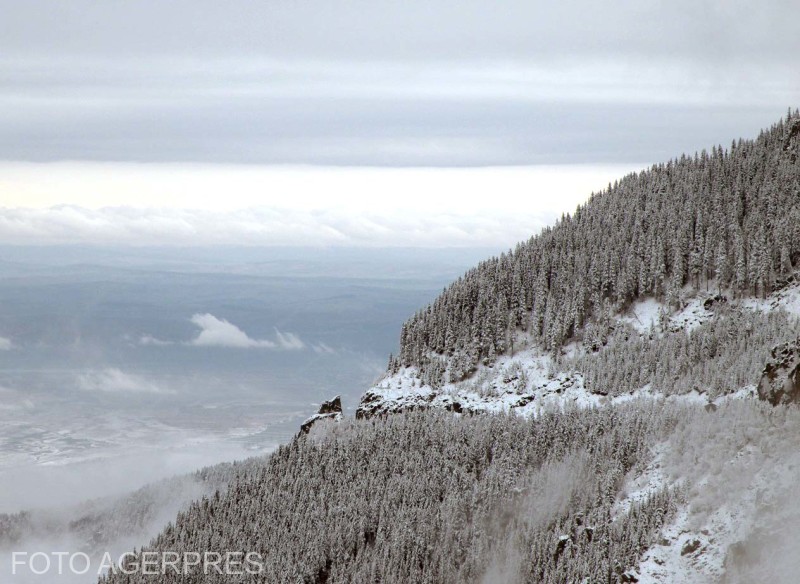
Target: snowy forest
point(716, 358)
point(428, 497)
point(728, 219)
point(432, 496)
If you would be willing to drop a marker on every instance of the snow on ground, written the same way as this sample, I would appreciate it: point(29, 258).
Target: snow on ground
point(643, 315)
point(684, 552)
point(529, 381)
point(639, 487)
point(740, 492)
point(746, 392)
point(692, 315)
point(692, 549)
point(525, 383)
point(786, 297)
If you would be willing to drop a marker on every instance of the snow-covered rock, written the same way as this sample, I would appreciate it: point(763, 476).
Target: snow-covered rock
point(524, 383)
point(328, 410)
point(780, 381)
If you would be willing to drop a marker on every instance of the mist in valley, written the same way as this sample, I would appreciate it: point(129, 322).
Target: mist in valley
point(121, 368)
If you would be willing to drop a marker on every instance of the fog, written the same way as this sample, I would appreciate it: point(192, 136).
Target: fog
point(740, 468)
point(121, 366)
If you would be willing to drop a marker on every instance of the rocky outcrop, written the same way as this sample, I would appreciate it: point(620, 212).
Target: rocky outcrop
point(712, 302)
point(690, 546)
point(328, 410)
point(780, 380)
point(629, 576)
point(790, 140)
point(563, 543)
point(375, 403)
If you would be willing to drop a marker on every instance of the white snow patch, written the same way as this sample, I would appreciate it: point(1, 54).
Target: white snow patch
point(638, 487)
point(744, 497)
point(688, 553)
point(786, 298)
point(746, 392)
point(525, 383)
point(643, 315)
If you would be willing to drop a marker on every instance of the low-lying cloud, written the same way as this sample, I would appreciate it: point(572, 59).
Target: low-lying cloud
point(323, 349)
point(196, 204)
point(218, 332)
point(5, 344)
point(113, 380)
point(265, 227)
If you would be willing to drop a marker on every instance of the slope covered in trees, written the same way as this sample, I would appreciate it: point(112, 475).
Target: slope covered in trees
point(716, 358)
point(725, 218)
point(428, 497)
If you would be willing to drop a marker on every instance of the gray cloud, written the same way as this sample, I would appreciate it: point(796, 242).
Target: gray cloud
point(438, 82)
point(709, 30)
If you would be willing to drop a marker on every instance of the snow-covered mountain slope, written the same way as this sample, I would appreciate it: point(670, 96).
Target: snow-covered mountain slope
point(532, 379)
point(740, 520)
point(733, 462)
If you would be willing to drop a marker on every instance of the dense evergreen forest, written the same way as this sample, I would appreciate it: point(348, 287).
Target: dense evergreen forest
point(724, 219)
point(429, 497)
point(716, 358)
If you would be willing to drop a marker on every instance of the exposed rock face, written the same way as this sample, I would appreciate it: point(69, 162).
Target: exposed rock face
point(713, 301)
point(792, 132)
point(374, 403)
point(787, 282)
point(629, 576)
point(780, 381)
point(328, 410)
point(564, 541)
point(333, 406)
point(691, 546)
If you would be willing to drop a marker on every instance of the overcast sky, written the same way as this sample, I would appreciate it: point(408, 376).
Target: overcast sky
point(428, 83)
